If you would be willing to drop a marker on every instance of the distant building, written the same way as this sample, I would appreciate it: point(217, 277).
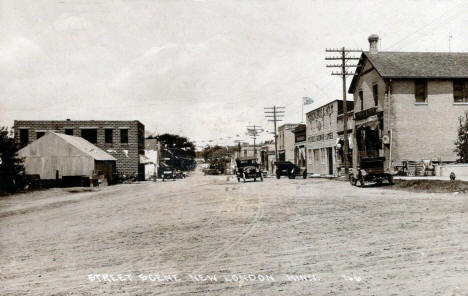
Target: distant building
point(300, 150)
point(286, 142)
point(151, 158)
point(55, 156)
point(267, 157)
point(407, 104)
point(246, 150)
point(324, 133)
point(124, 140)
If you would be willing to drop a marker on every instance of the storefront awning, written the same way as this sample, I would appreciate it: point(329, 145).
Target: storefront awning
point(372, 122)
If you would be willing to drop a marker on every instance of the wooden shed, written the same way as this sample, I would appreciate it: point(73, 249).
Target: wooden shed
point(56, 155)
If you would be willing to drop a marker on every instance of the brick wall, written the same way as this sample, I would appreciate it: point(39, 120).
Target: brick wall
point(424, 131)
point(127, 154)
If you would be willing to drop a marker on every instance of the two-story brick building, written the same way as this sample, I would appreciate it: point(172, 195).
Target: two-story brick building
point(124, 140)
point(407, 104)
point(324, 129)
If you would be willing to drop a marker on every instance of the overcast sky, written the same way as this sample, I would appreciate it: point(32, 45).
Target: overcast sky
point(203, 69)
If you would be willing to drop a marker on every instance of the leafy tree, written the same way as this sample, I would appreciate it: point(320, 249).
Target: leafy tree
point(177, 151)
point(180, 146)
point(213, 152)
point(11, 167)
point(461, 143)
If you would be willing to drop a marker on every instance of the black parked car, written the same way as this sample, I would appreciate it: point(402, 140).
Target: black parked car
point(287, 168)
point(248, 168)
point(166, 173)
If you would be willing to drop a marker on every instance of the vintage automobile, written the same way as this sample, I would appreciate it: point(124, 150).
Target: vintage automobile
point(371, 141)
point(370, 170)
point(248, 168)
point(166, 173)
point(287, 168)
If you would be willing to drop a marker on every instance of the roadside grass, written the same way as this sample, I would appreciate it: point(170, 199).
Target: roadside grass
point(431, 186)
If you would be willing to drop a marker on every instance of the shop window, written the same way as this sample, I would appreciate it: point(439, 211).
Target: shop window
point(420, 90)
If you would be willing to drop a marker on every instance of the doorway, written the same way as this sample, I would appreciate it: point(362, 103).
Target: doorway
point(330, 160)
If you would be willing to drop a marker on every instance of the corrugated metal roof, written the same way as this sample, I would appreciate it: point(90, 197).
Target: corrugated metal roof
point(430, 65)
point(85, 146)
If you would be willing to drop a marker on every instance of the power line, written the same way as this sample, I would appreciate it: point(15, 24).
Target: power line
point(344, 72)
point(253, 131)
point(274, 114)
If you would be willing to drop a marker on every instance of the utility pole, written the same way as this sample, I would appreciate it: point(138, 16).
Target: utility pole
point(253, 132)
point(274, 114)
point(450, 39)
point(344, 58)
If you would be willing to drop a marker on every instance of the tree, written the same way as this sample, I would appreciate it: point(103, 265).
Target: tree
point(462, 141)
point(177, 151)
point(210, 153)
point(11, 167)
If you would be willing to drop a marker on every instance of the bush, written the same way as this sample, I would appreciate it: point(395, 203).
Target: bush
point(11, 167)
point(462, 141)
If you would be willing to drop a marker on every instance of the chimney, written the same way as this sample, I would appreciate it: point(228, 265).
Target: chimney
point(373, 41)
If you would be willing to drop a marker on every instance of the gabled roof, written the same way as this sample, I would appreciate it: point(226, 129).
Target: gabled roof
point(412, 65)
point(85, 146)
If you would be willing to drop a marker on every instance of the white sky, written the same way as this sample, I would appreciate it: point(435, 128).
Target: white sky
point(203, 69)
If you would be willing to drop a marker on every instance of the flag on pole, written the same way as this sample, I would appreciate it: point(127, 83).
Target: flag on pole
point(307, 101)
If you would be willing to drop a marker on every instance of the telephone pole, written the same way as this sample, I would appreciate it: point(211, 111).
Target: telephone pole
point(274, 114)
point(344, 72)
point(253, 132)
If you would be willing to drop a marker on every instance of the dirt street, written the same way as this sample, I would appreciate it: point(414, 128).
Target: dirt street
point(207, 235)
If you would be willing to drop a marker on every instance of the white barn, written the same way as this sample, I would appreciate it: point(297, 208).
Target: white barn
point(56, 155)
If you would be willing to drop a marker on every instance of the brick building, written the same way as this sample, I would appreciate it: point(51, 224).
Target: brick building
point(407, 104)
point(286, 142)
point(324, 130)
point(124, 140)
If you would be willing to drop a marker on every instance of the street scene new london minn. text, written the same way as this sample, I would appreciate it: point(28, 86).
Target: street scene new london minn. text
point(202, 147)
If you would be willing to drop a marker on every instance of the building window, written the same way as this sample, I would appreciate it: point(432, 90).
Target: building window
point(420, 90)
point(24, 137)
point(69, 131)
point(375, 93)
point(124, 135)
point(460, 91)
point(39, 134)
point(108, 135)
point(361, 99)
point(89, 134)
